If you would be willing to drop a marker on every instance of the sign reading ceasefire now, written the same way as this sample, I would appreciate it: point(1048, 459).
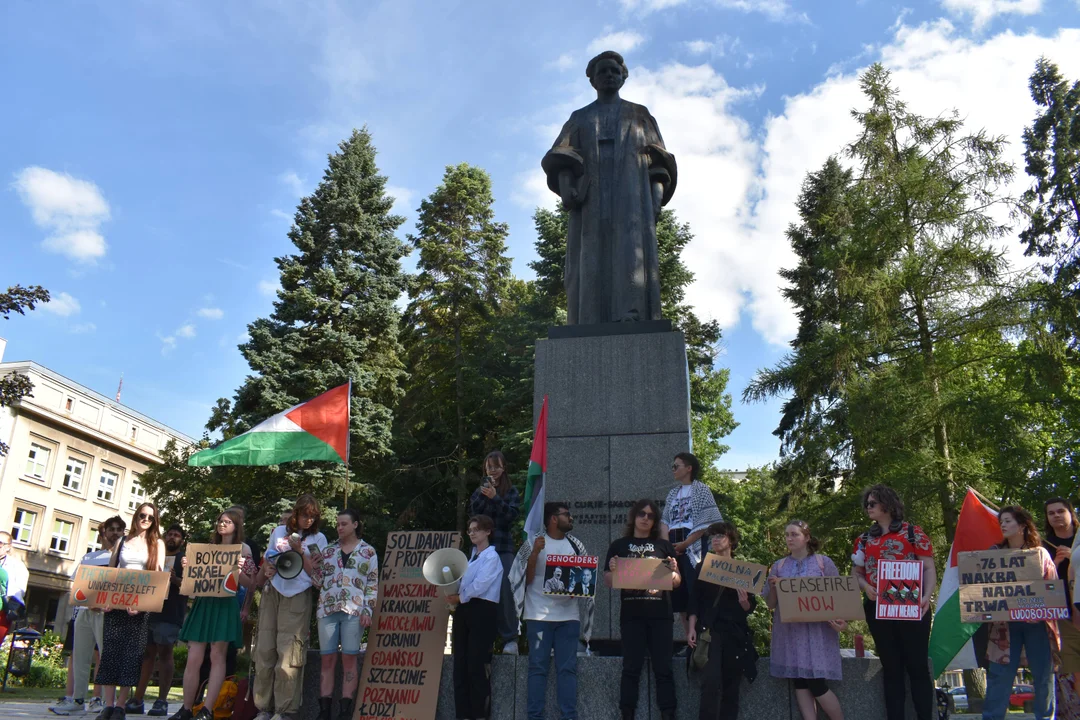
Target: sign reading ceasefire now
point(109, 588)
point(997, 585)
point(817, 598)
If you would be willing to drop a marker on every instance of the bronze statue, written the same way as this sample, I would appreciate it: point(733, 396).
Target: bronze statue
point(611, 169)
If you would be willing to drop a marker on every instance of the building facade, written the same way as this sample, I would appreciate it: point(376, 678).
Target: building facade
point(74, 460)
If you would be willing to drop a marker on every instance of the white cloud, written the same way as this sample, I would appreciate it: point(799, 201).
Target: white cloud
point(564, 62)
point(698, 47)
point(281, 215)
point(269, 287)
point(403, 198)
point(772, 9)
point(293, 182)
point(63, 305)
point(168, 344)
point(186, 331)
point(83, 328)
point(71, 209)
point(621, 42)
point(211, 313)
point(983, 11)
point(531, 191)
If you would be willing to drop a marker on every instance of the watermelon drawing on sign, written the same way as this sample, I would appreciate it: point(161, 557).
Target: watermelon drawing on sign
point(80, 596)
point(231, 585)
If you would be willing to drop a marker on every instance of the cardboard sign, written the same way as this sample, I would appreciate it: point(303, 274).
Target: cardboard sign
point(899, 589)
point(733, 573)
point(109, 588)
point(212, 570)
point(403, 662)
point(1006, 585)
point(169, 562)
point(819, 599)
point(641, 574)
point(570, 575)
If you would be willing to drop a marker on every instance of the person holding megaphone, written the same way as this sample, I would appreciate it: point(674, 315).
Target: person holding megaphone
point(285, 613)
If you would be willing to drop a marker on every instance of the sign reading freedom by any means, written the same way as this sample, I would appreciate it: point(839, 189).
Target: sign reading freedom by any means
point(403, 663)
point(733, 573)
point(573, 575)
point(998, 585)
point(899, 589)
point(109, 588)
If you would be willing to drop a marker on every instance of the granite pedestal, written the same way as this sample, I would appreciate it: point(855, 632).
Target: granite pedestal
point(618, 412)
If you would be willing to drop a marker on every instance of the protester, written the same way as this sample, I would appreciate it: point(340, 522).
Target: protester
point(1060, 524)
point(163, 632)
point(688, 512)
point(1037, 641)
point(347, 574)
point(14, 578)
point(86, 629)
point(475, 623)
point(124, 631)
point(552, 622)
point(214, 621)
point(246, 598)
point(645, 615)
point(285, 613)
point(807, 652)
point(499, 500)
point(902, 645)
point(722, 611)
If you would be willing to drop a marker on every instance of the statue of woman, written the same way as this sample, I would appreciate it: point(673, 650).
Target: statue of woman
point(613, 174)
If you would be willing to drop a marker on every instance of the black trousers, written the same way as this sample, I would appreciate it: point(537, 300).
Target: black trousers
point(475, 628)
point(720, 682)
point(656, 636)
point(903, 646)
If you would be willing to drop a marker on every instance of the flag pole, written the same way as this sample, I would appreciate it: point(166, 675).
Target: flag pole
point(988, 501)
point(348, 443)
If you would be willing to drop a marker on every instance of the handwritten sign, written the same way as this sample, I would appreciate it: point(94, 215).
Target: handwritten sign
point(212, 570)
point(1000, 585)
point(899, 589)
point(573, 575)
point(109, 588)
point(403, 663)
point(641, 574)
point(733, 573)
point(818, 599)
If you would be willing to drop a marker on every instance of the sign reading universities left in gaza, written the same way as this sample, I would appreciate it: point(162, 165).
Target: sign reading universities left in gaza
point(109, 588)
point(403, 662)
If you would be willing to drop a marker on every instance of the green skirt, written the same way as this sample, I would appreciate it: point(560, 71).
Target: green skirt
point(213, 619)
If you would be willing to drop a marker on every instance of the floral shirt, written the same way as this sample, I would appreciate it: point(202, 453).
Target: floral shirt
point(997, 650)
point(909, 542)
point(350, 583)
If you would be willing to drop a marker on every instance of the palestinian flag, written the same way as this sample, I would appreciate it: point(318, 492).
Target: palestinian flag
point(950, 639)
point(315, 430)
point(534, 486)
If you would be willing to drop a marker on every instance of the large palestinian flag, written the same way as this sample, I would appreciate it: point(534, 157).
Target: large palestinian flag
point(534, 484)
point(315, 430)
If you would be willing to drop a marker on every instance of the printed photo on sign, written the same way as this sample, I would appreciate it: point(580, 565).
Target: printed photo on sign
point(899, 589)
point(732, 573)
point(573, 575)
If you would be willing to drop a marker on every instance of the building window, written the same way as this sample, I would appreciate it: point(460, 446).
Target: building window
point(37, 461)
point(138, 496)
point(23, 528)
point(107, 486)
point(73, 475)
point(92, 544)
point(61, 536)
point(134, 433)
point(69, 405)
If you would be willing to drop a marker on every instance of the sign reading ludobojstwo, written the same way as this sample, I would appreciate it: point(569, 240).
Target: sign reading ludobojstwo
point(1000, 585)
point(733, 573)
point(109, 588)
point(403, 663)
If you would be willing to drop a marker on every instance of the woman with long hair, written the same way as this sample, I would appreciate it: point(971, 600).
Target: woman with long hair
point(806, 652)
point(645, 619)
point(214, 621)
point(902, 645)
point(285, 613)
point(124, 631)
point(499, 500)
point(1037, 640)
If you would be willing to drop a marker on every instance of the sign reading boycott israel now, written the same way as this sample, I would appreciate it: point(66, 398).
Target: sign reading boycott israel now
point(899, 589)
point(212, 570)
point(1008, 585)
point(733, 573)
point(109, 588)
point(818, 599)
point(403, 663)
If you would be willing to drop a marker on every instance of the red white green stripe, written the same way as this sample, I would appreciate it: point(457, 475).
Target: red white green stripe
point(315, 430)
point(534, 485)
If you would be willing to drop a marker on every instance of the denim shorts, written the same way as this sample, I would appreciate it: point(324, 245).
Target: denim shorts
point(342, 629)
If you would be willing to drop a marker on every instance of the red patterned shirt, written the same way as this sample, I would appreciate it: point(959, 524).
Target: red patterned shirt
point(908, 543)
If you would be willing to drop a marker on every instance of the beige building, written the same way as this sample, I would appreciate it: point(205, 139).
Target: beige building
point(74, 460)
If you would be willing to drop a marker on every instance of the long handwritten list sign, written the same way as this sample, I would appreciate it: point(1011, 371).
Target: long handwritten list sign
point(403, 663)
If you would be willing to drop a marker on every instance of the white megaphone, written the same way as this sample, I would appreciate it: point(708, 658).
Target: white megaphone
point(445, 568)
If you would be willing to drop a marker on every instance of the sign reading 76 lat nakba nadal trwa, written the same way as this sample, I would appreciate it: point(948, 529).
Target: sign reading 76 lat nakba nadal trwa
point(999, 585)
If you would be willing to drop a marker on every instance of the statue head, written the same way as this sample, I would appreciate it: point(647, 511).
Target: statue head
point(607, 71)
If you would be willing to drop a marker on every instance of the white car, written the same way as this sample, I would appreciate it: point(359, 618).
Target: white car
point(959, 698)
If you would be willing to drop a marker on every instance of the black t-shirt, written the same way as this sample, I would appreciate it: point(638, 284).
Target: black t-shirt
point(1052, 542)
point(175, 605)
point(642, 603)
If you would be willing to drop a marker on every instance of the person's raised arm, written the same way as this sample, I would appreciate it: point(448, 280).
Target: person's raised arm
point(530, 568)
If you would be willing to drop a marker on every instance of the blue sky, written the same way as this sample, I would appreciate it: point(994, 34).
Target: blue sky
point(153, 152)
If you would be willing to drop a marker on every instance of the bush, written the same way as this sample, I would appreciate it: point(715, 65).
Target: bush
point(48, 668)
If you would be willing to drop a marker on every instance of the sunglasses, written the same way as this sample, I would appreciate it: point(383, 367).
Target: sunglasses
point(647, 514)
point(676, 466)
point(146, 516)
point(566, 513)
point(871, 504)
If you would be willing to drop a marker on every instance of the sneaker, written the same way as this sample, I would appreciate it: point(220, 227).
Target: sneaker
point(107, 712)
point(161, 707)
point(134, 707)
point(182, 714)
point(263, 715)
point(510, 648)
point(95, 705)
point(118, 713)
point(204, 714)
point(67, 706)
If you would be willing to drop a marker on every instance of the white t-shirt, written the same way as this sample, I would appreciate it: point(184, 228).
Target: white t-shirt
point(279, 542)
point(682, 515)
point(98, 558)
point(549, 608)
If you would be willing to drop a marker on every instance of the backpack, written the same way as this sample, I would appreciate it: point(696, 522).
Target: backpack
point(244, 706)
point(223, 708)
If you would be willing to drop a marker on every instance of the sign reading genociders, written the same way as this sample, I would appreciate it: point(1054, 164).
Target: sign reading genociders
point(733, 573)
point(212, 570)
point(641, 574)
point(111, 588)
point(573, 575)
point(899, 589)
point(817, 599)
point(1008, 585)
point(403, 663)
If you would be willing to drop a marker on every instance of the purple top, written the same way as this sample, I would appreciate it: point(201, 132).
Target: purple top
point(804, 650)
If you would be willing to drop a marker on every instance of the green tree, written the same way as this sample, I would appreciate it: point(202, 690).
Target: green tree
point(18, 299)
